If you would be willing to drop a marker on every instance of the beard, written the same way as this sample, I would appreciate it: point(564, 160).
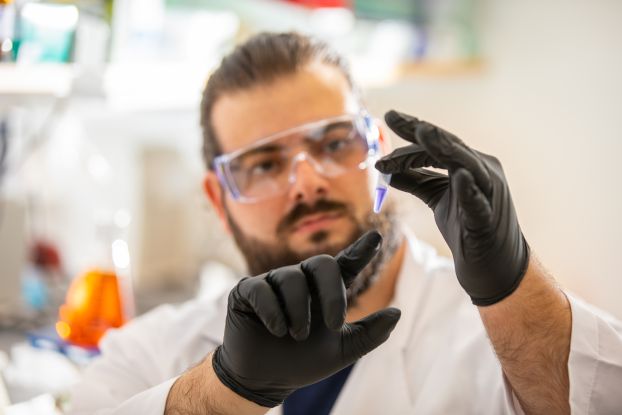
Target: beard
point(262, 257)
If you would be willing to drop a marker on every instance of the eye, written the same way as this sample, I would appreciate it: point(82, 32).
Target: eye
point(335, 145)
point(264, 167)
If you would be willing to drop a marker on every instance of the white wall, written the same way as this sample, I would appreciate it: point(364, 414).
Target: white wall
point(549, 105)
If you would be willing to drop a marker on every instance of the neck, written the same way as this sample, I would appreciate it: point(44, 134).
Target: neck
point(380, 294)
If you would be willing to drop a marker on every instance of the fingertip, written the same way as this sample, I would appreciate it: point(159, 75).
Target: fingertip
point(390, 316)
point(373, 239)
point(391, 116)
point(279, 326)
point(380, 165)
point(355, 257)
point(387, 165)
point(278, 329)
point(374, 330)
point(335, 322)
point(394, 313)
point(369, 241)
point(300, 335)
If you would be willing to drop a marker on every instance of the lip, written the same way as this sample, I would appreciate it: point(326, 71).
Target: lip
point(315, 222)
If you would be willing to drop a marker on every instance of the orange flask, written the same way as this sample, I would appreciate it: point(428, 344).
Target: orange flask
point(93, 305)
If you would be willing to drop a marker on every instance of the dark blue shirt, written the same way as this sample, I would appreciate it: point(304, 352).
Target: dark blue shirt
point(317, 399)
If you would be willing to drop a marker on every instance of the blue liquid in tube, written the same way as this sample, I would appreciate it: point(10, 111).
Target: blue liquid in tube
point(382, 189)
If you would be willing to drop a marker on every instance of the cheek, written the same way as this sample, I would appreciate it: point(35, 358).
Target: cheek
point(257, 219)
point(353, 188)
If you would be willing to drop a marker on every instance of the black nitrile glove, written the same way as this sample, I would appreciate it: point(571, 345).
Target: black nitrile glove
point(286, 329)
point(472, 206)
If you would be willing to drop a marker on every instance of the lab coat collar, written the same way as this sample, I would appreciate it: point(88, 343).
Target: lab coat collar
point(391, 357)
point(408, 293)
point(214, 331)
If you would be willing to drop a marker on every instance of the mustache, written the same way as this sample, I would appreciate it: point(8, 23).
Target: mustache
point(301, 210)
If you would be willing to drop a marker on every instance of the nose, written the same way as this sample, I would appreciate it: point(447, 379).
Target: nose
point(307, 184)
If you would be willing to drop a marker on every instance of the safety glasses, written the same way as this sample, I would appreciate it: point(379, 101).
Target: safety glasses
point(267, 168)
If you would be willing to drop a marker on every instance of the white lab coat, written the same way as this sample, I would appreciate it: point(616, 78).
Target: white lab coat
point(438, 359)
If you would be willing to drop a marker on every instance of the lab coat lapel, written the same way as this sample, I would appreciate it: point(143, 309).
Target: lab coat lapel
point(383, 373)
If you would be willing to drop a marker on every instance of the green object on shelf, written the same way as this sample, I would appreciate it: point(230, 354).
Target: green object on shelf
point(410, 10)
point(47, 32)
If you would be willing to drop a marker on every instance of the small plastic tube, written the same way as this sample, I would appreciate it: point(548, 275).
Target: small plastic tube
point(382, 189)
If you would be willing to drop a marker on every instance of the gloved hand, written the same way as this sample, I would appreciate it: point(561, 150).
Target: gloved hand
point(472, 205)
point(286, 329)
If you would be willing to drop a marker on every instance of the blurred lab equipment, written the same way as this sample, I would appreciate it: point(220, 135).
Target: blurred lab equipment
point(7, 25)
point(47, 32)
point(92, 306)
point(101, 297)
point(12, 255)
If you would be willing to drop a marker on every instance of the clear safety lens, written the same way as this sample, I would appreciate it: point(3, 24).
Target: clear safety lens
point(332, 147)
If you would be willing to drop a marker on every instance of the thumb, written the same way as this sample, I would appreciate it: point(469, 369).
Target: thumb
point(365, 335)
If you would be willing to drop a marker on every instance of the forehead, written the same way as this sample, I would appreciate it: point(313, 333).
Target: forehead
point(314, 92)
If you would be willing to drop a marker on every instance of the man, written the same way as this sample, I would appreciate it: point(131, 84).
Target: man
point(290, 150)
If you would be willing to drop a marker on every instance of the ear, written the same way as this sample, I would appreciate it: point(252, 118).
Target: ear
point(215, 194)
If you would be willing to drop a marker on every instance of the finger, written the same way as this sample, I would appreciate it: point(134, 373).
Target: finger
point(402, 124)
point(366, 334)
point(476, 211)
point(405, 158)
point(291, 288)
point(258, 295)
point(452, 152)
point(427, 185)
point(325, 275)
point(355, 257)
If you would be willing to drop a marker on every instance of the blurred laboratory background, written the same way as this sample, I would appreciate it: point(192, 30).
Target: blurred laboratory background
point(100, 170)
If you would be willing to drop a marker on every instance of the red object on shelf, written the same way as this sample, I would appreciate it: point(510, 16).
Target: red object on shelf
point(45, 255)
point(323, 3)
point(92, 306)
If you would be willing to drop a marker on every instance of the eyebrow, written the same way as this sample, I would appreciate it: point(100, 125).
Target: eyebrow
point(329, 127)
point(267, 148)
point(271, 147)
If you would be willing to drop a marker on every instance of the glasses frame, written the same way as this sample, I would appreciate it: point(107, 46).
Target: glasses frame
point(361, 119)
